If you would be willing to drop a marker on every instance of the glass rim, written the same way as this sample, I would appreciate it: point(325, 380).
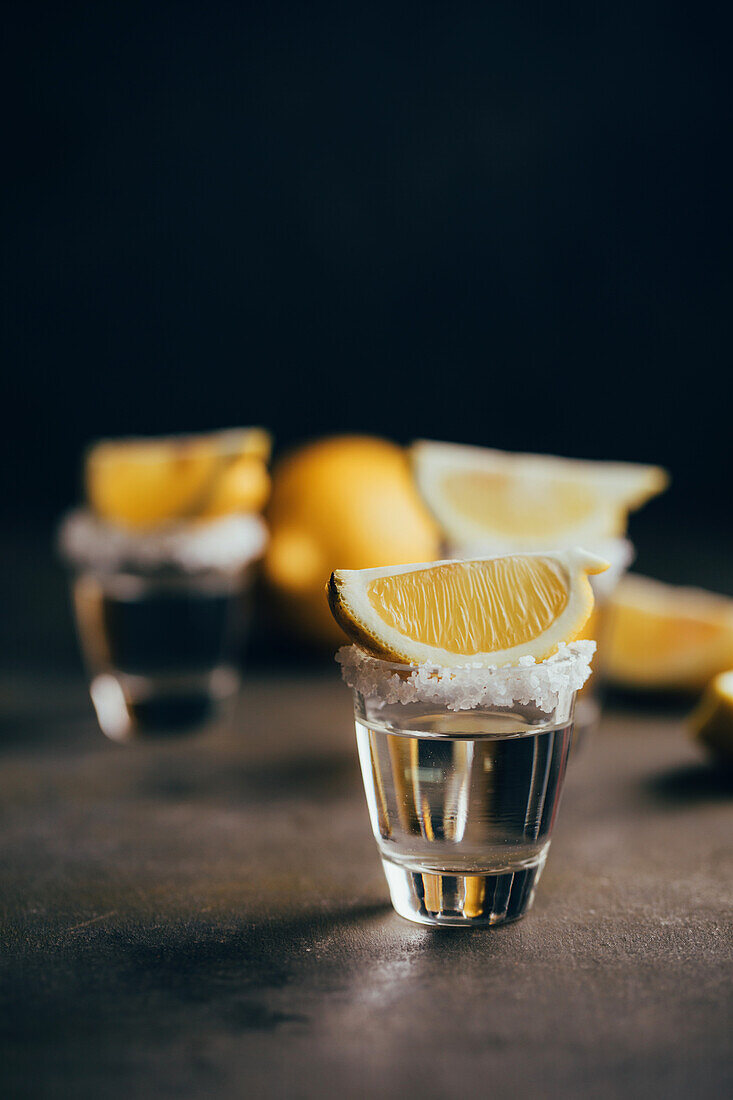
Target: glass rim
point(225, 543)
point(568, 656)
point(465, 687)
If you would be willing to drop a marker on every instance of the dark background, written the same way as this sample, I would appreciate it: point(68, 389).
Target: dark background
point(496, 223)
point(499, 223)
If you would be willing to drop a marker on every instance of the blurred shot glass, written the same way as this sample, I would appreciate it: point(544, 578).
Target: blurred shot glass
point(619, 553)
point(463, 801)
point(160, 619)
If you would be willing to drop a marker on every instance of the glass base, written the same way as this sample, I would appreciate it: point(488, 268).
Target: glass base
point(454, 900)
point(138, 708)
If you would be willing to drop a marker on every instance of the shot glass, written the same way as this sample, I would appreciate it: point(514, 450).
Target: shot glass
point(462, 802)
point(160, 619)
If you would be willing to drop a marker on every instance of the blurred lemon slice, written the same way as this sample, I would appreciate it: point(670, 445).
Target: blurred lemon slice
point(664, 636)
point(490, 611)
point(143, 483)
point(712, 720)
point(514, 502)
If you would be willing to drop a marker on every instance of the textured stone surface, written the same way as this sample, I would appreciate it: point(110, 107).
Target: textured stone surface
point(210, 919)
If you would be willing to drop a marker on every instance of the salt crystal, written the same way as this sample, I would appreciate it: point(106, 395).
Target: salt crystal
point(227, 543)
point(468, 686)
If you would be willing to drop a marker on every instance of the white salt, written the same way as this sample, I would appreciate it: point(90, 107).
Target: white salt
point(227, 543)
point(471, 685)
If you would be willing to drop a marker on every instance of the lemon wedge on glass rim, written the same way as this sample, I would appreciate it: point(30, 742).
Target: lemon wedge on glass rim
point(512, 502)
point(488, 611)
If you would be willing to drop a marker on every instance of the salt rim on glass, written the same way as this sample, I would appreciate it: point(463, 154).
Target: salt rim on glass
point(227, 543)
point(468, 686)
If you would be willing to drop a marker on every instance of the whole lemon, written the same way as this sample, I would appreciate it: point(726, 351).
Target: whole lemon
point(347, 502)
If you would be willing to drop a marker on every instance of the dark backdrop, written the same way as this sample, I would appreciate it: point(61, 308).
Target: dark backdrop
point(496, 223)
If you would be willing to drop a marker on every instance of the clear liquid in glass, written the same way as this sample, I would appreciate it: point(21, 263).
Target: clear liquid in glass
point(162, 650)
point(464, 804)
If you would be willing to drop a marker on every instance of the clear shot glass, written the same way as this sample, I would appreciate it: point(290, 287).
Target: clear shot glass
point(161, 619)
point(463, 801)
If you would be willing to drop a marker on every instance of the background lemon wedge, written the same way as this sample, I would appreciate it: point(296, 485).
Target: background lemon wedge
point(490, 611)
point(712, 720)
point(144, 483)
point(667, 637)
point(506, 502)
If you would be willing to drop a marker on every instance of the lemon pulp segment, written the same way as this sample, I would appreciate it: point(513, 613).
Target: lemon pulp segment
point(517, 506)
point(471, 608)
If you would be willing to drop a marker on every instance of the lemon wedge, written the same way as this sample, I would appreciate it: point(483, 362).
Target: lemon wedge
point(490, 611)
point(712, 720)
point(667, 637)
point(144, 483)
point(513, 502)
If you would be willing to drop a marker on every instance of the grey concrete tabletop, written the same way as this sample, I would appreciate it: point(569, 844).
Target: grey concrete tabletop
point(209, 918)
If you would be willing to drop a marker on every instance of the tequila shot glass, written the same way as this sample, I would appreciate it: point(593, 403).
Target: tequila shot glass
point(463, 772)
point(160, 619)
